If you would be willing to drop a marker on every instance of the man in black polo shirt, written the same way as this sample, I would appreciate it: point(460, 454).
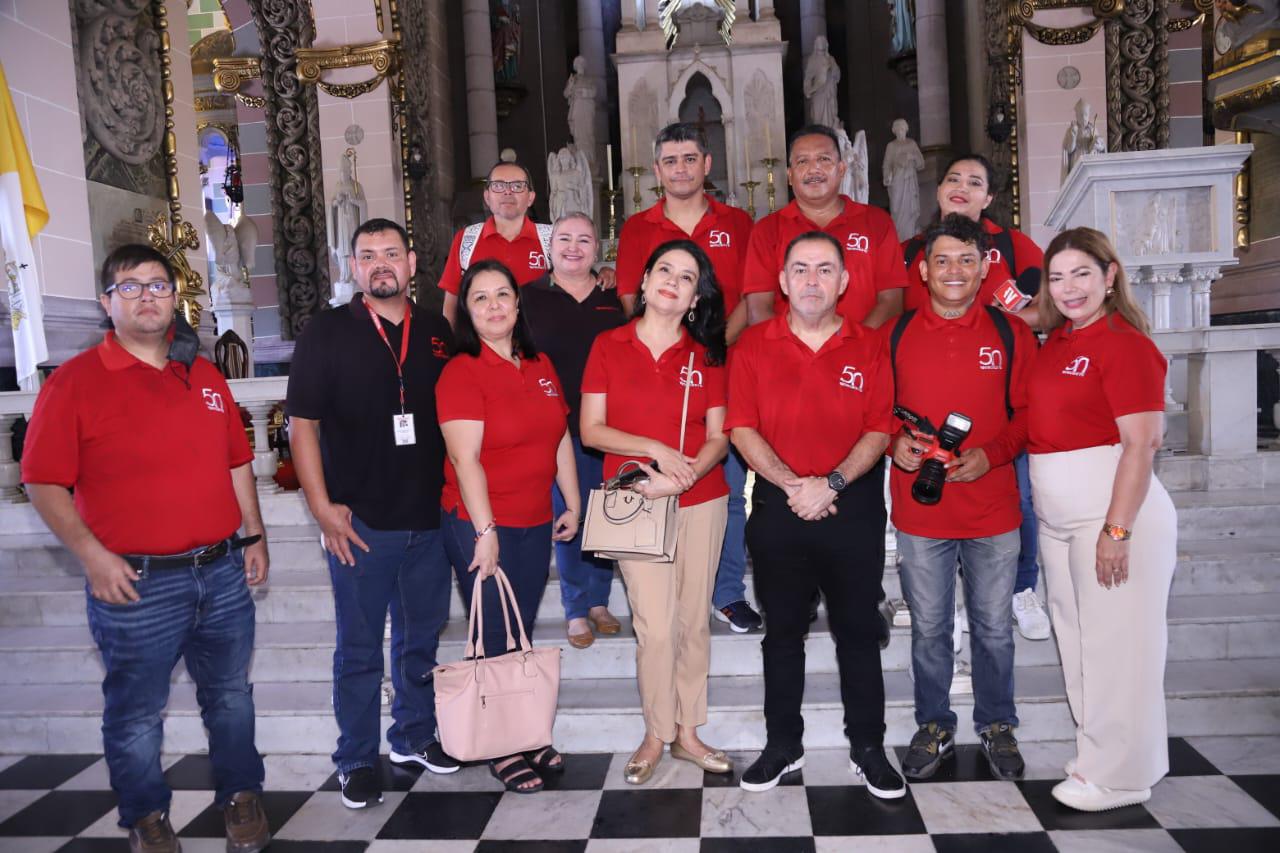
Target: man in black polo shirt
point(370, 460)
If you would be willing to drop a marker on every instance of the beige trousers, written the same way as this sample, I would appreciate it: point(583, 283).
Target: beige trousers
point(1112, 641)
point(670, 611)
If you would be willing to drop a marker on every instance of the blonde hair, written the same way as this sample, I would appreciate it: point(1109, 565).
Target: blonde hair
point(1119, 298)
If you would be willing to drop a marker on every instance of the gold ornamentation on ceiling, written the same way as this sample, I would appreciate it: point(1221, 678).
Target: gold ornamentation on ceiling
point(381, 56)
point(232, 72)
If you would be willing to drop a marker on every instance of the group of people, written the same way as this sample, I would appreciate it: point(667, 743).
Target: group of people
point(432, 447)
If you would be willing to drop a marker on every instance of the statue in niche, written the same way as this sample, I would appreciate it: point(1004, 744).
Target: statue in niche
point(821, 77)
point(569, 178)
point(580, 92)
point(1082, 137)
point(1158, 226)
point(902, 163)
point(347, 210)
point(902, 17)
point(505, 28)
point(233, 255)
point(856, 183)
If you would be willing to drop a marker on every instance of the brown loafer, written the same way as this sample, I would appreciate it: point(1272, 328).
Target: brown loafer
point(247, 830)
point(581, 641)
point(605, 624)
point(154, 834)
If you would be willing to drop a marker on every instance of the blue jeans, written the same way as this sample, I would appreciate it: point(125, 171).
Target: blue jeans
point(928, 574)
point(405, 571)
point(524, 553)
point(585, 581)
point(204, 616)
point(1028, 570)
point(733, 554)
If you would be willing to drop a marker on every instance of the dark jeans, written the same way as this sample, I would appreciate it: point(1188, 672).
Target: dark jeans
point(1028, 570)
point(842, 555)
point(406, 572)
point(204, 616)
point(585, 581)
point(524, 553)
point(730, 586)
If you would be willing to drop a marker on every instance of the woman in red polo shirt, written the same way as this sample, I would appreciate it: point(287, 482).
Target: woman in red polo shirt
point(502, 413)
point(1108, 530)
point(632, 398)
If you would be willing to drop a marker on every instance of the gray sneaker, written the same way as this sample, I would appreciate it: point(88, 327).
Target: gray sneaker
point(930, 746)
point(1001, 749)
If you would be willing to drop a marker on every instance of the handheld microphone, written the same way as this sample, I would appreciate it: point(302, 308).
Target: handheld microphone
point(1016, 294)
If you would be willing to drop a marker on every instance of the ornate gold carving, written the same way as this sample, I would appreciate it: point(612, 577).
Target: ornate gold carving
point(1232, 69)
point(1022, 10)
point(1227, 107)
point(251, 100)
point(229, 129)
point(1177, 25)
point(381, 56)
point(232, 72)
point(1062, 36)
point(209, 103)
point(1101, 8)
point(217, 44)
point(1243, 206)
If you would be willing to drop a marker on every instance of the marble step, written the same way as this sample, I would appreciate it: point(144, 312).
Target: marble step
point(1204, 698)
point(1227, 513)
point(1232, 627)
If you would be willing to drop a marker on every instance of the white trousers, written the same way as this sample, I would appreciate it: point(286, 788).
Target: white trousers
point(1112, 641)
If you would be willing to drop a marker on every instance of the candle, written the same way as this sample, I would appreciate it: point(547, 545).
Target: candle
point(746, 151)
point(768, 140)
point(635, 160)
point(608, 154)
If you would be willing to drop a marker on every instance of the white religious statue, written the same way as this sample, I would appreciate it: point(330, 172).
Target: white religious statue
point(821, 77)
point(902, 17)
point(1082, 137)
point(233, 256)
point(347, 210)
point(668, 9)
point(902, 162)
point(856, 183)
point(569, 178)
point(580, 92)
point(1158, 226)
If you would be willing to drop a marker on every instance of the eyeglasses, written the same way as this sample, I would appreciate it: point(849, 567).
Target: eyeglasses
point(133, 289)
point(507, 186)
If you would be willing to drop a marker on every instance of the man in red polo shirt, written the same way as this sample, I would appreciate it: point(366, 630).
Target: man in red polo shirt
point(872, 254)
point(682, 161)
point(148, 436)
point(810, 402)
point(958, 354)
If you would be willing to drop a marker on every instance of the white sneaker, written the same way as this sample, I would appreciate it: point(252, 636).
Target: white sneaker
point(1088, 797)
point(961, 678)
point(901, 613)
point(1033, 622)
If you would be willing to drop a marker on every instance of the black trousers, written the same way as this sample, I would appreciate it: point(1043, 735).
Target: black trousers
point(843, 556)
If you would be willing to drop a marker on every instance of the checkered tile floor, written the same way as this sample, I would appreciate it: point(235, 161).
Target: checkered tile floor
point(1223, 794)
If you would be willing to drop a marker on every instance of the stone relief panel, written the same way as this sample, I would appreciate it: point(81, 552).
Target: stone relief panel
point(1173, 221)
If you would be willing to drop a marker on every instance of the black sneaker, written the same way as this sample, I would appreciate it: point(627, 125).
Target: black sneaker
point(930, 746)
point(813, 606)
point(886, 609)
point(433, 757)
point(770, 767)
point(360, 788)
point(1001, 749)
point(741, 617)
point(883, 781)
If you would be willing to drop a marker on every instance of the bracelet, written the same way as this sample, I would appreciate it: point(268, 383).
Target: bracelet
point(486, 530)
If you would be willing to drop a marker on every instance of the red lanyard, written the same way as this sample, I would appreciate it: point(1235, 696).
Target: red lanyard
point(404, 344)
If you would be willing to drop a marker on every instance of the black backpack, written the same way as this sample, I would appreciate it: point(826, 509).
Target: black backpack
point(1002, 328)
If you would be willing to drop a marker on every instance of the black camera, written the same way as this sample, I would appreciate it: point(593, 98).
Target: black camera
point(942, 443)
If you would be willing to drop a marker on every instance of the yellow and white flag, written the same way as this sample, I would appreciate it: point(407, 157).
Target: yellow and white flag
point(22, 214)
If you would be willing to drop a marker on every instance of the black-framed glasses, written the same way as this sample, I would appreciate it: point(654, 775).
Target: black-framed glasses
point(507, 186)
point(133, 289)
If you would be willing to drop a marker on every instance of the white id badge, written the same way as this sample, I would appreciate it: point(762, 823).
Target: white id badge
point(403, 428)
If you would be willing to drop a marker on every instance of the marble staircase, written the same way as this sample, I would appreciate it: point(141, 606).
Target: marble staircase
point(1223, 674)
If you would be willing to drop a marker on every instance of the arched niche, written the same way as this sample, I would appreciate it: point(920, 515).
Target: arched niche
point(700, 107)
point(703, 79)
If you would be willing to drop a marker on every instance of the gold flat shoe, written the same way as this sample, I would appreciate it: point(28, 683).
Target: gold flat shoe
point(638, 771)
point(581, 641)
point(713, 762)
point(608, 625)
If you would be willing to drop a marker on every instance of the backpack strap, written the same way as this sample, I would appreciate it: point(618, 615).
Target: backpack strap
point(470, 235)
point(913, 247)
point(1004, 245)
point(894, 338)
point(1006, 338)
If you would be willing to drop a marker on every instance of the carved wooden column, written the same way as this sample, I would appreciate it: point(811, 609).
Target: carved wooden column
point(1137, 43)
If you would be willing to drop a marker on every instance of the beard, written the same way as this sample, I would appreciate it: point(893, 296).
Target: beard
point(384, 288)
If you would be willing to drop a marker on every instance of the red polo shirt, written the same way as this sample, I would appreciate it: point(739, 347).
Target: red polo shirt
point(523, 255)
point(811, 407)
point(1083, 380)
point(523, 412)
point(872, 254)
point(645, 397)
point(960, 365)
point(1027, 255)
point(722, 232)
point(148, 451)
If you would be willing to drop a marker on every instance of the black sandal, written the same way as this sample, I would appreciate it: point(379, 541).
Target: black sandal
point(515, 774)
point(541, 759)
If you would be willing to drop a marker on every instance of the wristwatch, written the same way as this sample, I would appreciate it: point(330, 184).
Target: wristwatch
point(836, 482)
point(1116, 532)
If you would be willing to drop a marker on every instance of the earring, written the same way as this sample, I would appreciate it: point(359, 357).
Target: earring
point(1109, 292)
point(693, 316)
point(642, 297)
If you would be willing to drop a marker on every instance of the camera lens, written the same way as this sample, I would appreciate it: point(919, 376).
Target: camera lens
point(927, 489)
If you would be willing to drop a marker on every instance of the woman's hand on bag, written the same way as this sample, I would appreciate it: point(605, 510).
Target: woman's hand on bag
point(658, 485)
point(486, 555)
point(675, 465)
point(1113, 561)
point(566, 527)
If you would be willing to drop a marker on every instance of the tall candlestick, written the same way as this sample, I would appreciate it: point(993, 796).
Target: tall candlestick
point(768, 141)
point(608, 156)
point(635, 161)
point(746, 150)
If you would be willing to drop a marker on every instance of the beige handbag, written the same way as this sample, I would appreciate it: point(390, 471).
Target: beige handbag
point(621, 524)
point(495, 707)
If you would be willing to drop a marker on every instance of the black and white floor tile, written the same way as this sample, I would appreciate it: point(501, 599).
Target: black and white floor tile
point(1222, 794)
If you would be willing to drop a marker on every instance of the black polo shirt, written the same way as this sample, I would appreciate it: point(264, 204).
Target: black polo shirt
point(343, 376)
point(565, 328)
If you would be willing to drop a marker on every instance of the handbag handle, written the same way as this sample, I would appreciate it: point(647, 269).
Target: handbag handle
point(475, 622)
